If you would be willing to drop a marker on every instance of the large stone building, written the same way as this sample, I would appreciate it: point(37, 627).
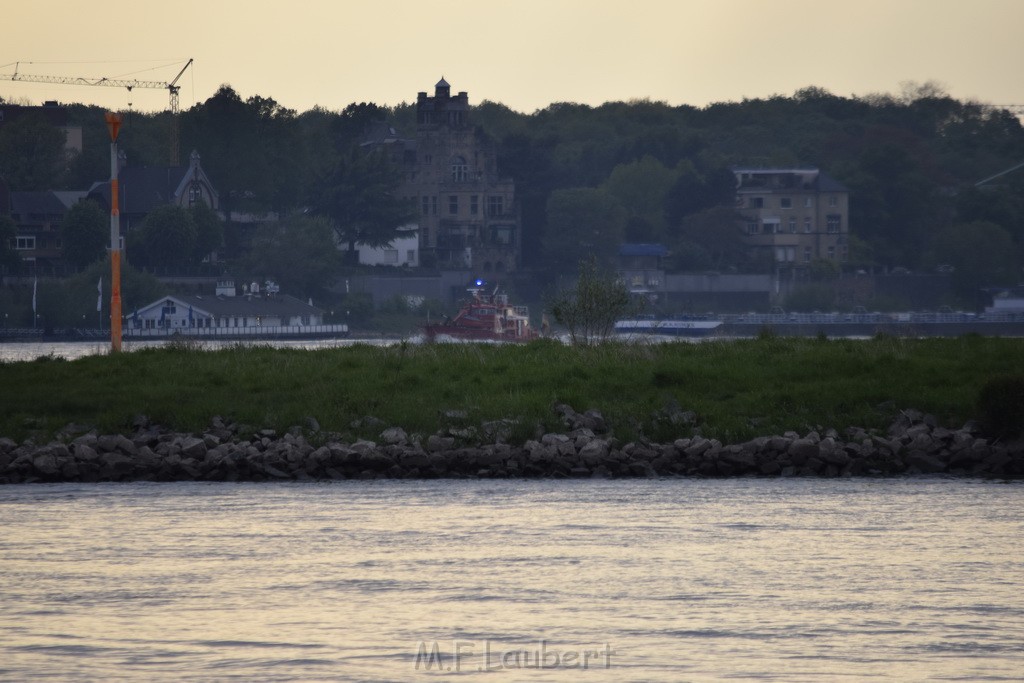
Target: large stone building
point(468, 213)
point(797, 215)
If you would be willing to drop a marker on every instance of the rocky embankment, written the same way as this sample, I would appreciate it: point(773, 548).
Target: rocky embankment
point(914, 444)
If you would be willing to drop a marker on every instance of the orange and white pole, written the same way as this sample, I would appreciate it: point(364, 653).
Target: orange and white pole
point(114, 126)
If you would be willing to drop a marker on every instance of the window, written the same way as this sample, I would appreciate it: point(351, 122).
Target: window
point(785, 254)
point(808, 202)
point(502, 234)
point(757, 202)
point(495, 206)
point(833, 222)
point(474, 204)
point(410, 256)
point(453, 204)
point(460, 171)
point(433, 206)
point(807, 254)
point(753, 228)
point(428, 159)
point(390, 256)
point(831, 253)
point(807, 225)
point(786, 203)
point(195, 193)
point(425, 205)
point(22, 242)
point(792, 226)
point(833, 200)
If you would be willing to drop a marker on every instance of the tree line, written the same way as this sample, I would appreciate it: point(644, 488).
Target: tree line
point(590, 177)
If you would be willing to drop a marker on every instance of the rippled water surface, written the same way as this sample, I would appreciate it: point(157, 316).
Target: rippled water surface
point(675, 580)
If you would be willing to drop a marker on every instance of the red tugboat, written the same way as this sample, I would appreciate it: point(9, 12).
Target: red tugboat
point(485, 316)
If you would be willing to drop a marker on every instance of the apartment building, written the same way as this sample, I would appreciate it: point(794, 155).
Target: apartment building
point(798, 215)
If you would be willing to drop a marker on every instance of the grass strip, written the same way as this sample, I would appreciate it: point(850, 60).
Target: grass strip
point(737, 389)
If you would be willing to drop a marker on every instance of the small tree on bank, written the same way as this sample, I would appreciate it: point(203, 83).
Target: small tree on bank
point(589, 310)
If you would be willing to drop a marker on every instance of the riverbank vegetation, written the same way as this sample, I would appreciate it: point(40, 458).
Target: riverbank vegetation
point(730, 390)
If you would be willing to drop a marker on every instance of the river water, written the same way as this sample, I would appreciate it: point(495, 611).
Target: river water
point(27, 351)
point(661, 580)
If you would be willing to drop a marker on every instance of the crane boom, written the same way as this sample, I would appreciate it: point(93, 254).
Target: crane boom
point(130, 84)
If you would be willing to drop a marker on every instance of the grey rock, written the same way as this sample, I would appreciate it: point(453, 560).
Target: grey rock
point(924, 463)
point(46, 464)
point(801, 450)
point(192, 447)
point(436, 443)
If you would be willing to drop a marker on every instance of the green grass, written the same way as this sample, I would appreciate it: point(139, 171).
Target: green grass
point(738, 389)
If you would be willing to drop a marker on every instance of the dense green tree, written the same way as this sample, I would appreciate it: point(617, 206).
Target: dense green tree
point(299, 253)
point(642, 188)
point(897, 200)
point(250, 149)
point(694, 191)
point(712, 238)
point(167, 238)
point(582, 222)
point(209, 230)
point(85, 233)
point(329, 137)
point(9, 258)
point(1002, 204)
point(359, 197)
point(982, 255)
point(32, 154)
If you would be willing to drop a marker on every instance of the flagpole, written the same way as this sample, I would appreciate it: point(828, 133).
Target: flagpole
point(113, 125)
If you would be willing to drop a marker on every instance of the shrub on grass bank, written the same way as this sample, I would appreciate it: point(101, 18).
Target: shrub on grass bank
point(1001, 406)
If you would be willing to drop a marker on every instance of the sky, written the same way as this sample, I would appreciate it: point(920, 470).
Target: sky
point(526, 54)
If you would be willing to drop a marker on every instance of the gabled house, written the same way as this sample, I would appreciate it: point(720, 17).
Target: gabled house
point(143, 188)
point(37, 219)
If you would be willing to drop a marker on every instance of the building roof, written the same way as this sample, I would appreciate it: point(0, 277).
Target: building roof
point(640, 249)
point(827, 183)
point(24, 203)
point(144, 188)
point(280, 305)
point(792, 177)
point(70, 197)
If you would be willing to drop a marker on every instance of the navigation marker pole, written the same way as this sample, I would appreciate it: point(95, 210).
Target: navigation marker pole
point(114, 125)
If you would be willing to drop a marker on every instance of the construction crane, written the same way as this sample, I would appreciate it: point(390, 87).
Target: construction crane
point(131, 84)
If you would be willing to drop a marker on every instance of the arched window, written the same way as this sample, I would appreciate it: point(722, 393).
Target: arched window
point(460, 171)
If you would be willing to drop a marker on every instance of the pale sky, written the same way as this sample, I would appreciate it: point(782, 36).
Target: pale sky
point(526, 54)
